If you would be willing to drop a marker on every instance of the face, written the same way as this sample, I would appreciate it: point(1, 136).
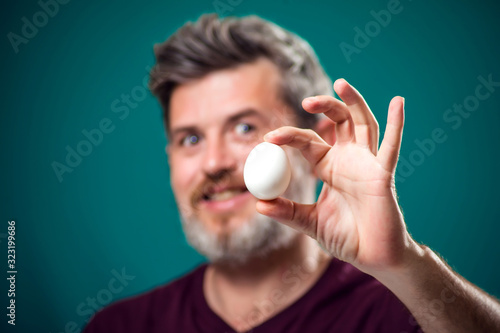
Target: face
point(215, 122)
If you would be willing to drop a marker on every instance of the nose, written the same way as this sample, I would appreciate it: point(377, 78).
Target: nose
point(218, 159)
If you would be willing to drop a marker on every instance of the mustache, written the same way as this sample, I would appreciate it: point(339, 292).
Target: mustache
point(220, 178)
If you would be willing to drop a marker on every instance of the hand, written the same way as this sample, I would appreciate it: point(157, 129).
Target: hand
point(356, 218)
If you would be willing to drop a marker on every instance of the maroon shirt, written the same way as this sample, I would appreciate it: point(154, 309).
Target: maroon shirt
point(342, 300)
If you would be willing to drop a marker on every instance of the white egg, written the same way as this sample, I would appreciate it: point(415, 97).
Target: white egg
point(267, 171)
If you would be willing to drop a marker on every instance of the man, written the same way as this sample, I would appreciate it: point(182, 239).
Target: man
point(344, 263)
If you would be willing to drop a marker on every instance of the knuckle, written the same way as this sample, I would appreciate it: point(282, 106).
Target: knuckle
point(309, 132)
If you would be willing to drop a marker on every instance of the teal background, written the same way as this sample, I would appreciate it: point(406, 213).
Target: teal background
point(116, 209)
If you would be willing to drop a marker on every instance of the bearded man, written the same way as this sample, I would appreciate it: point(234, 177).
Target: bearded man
point(342, 263)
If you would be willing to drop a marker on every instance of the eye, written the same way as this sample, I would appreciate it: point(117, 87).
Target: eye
point(190, 140)
point(243, 128)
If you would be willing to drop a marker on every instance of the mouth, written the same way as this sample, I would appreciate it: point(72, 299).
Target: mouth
point(222, 194)
point(223, 199)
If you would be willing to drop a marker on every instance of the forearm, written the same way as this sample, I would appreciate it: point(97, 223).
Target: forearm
point(440, 299)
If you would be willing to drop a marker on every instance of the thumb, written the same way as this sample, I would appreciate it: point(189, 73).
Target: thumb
point(298, 216)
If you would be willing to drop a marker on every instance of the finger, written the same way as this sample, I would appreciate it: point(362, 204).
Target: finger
point(391, 144)
point(365, 124)
point(335, 110)
point(310, 144)
point(295, 215)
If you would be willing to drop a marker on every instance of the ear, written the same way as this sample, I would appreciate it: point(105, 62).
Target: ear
point(325, 127)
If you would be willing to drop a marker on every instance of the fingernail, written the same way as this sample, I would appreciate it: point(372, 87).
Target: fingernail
point(270, 134)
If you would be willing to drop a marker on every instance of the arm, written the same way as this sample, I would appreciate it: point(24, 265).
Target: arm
point(358, 220)
point(440, 299)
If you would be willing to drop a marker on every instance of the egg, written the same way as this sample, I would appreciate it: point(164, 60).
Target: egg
point(267, 171)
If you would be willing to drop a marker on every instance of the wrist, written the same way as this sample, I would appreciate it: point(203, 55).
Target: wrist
point(413, 260)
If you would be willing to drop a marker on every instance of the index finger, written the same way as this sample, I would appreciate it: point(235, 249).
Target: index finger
point(334, 109)
point(308, 142)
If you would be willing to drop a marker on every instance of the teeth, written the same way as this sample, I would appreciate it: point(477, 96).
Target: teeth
point(224, 195)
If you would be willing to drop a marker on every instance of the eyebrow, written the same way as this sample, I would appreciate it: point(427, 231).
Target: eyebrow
point(233, 118)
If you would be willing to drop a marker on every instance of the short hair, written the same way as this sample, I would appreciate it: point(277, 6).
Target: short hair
point(212, 43)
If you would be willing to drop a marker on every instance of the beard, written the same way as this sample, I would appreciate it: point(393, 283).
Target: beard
point(260, 234)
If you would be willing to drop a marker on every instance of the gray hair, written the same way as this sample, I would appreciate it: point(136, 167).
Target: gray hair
point(212, 43)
